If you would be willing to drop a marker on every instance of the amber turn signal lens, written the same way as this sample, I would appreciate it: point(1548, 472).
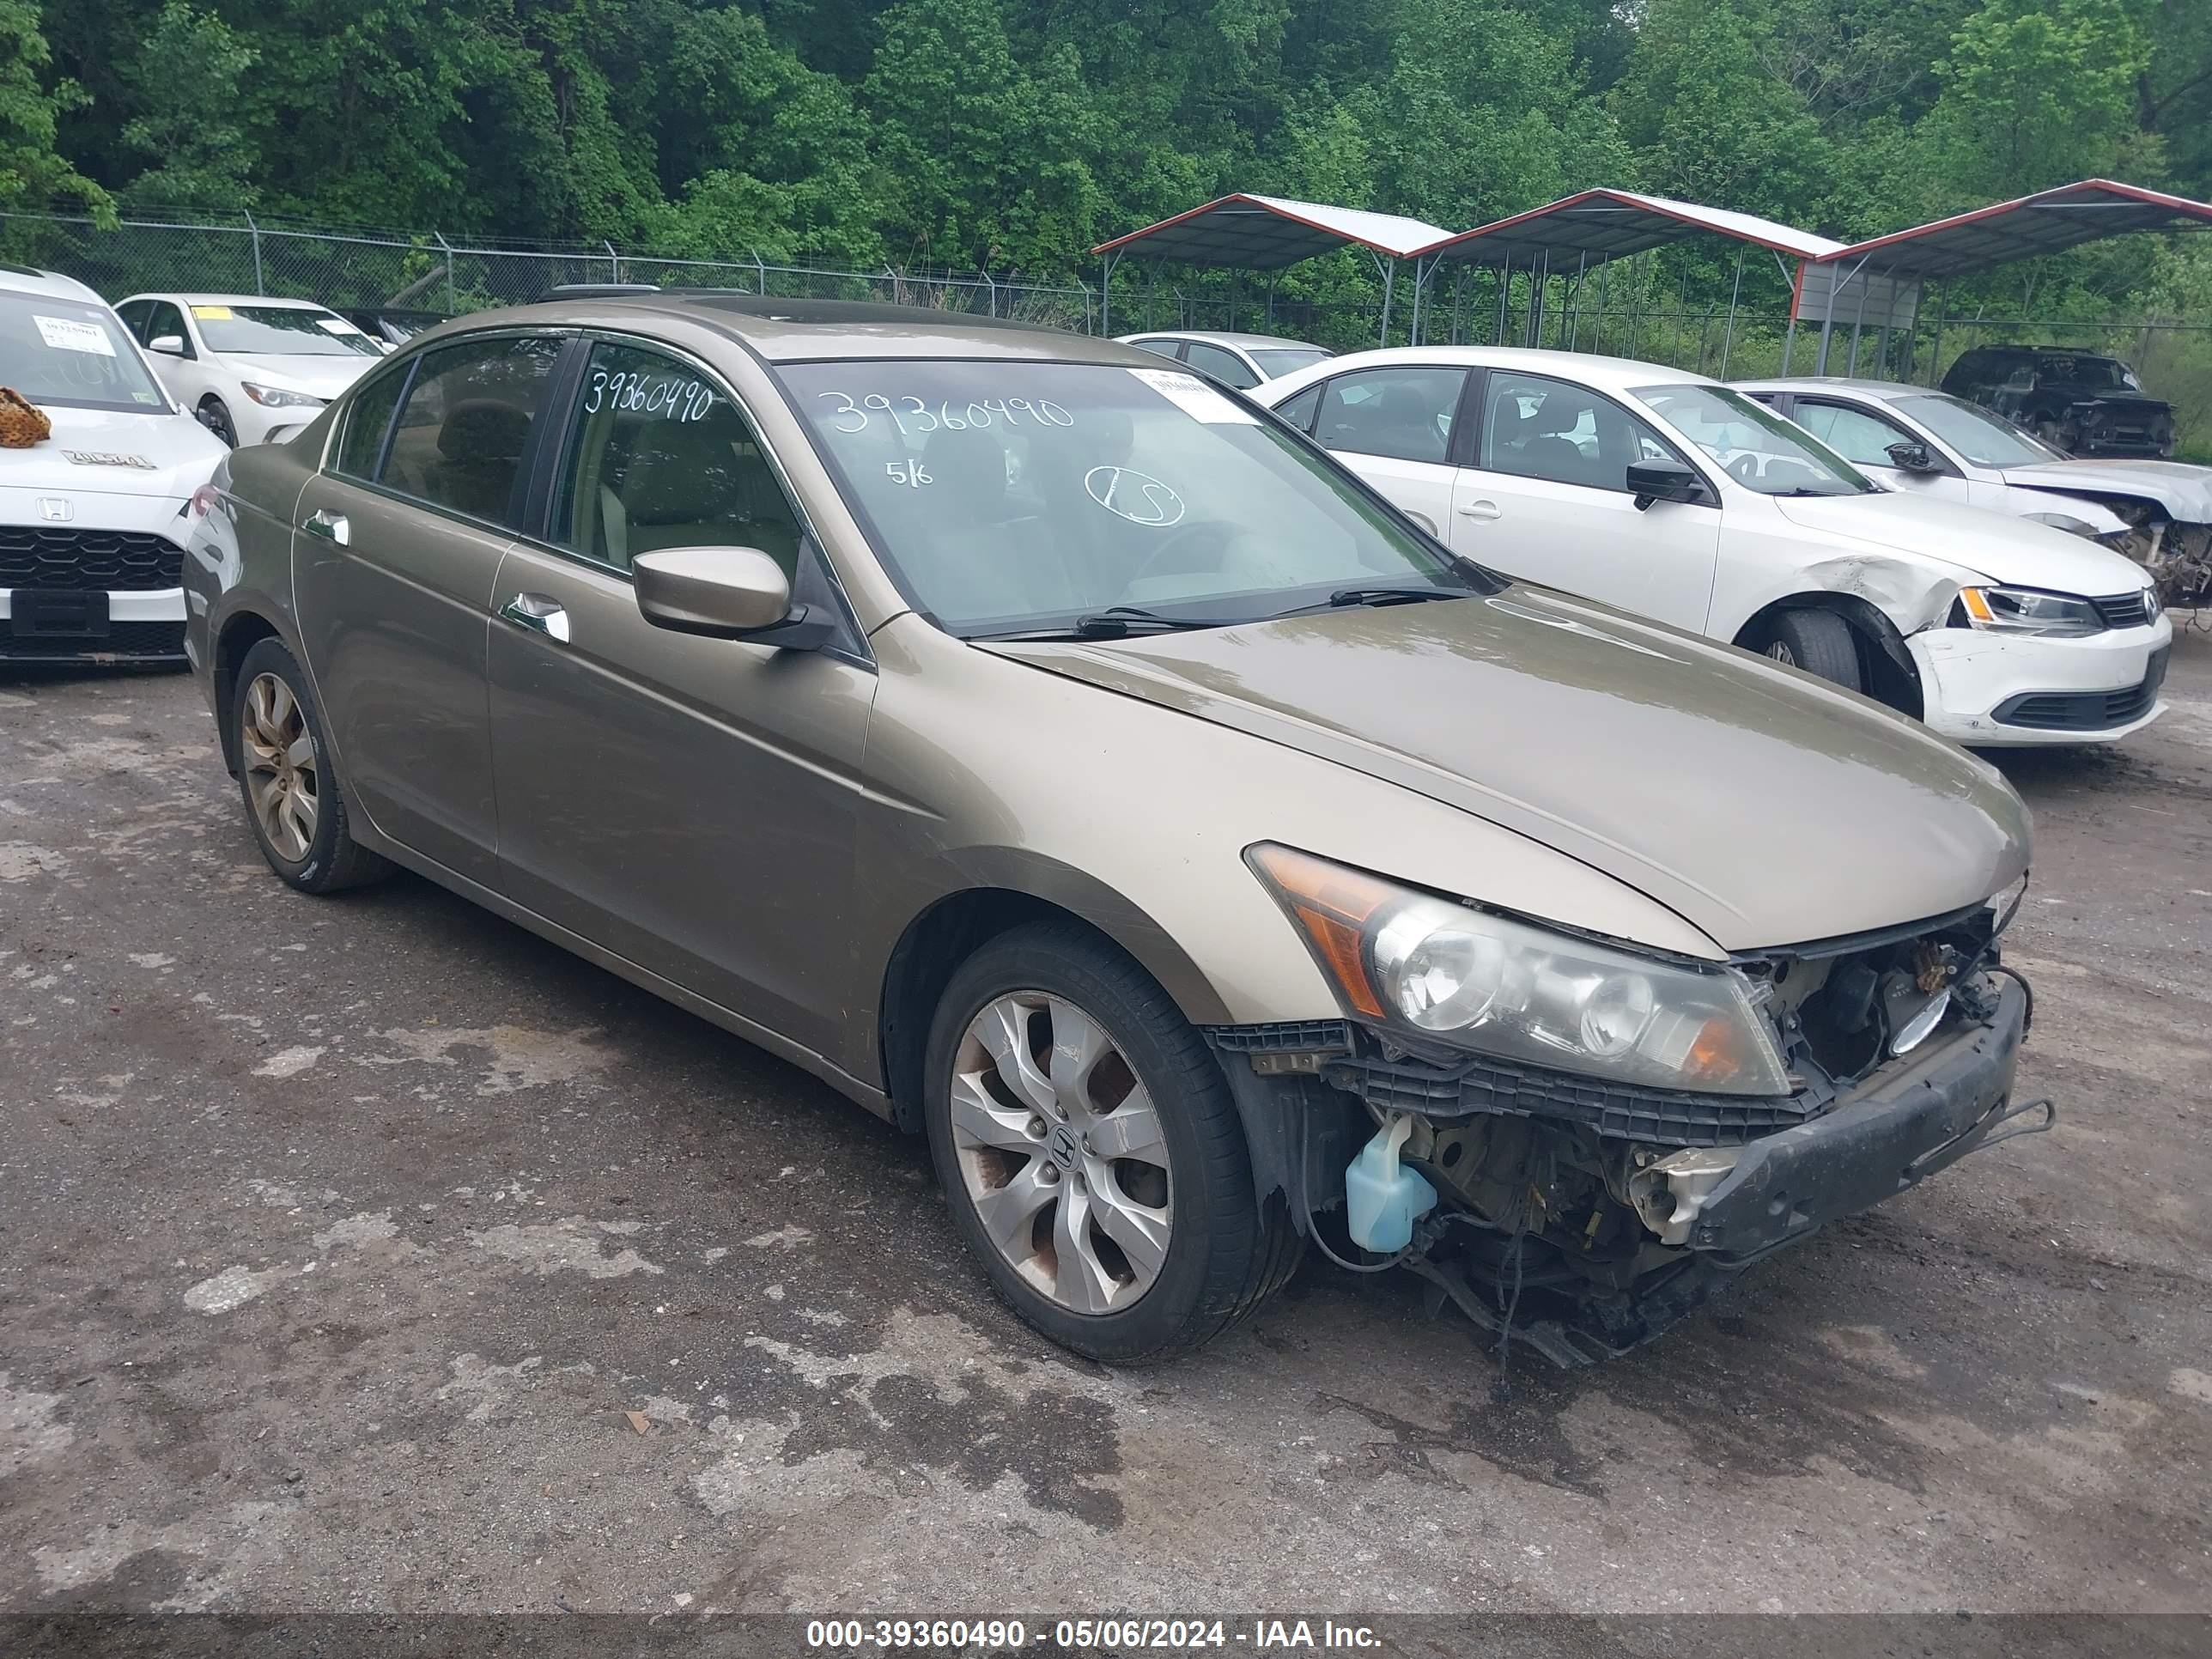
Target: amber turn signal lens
point(1333, 905)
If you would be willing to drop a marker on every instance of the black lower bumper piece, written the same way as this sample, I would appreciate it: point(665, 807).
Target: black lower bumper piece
point(1890, 1135)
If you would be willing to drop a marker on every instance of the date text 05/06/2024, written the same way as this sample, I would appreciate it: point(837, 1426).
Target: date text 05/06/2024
point(1118, 1635)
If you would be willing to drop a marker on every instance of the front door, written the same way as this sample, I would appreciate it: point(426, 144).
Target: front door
point(1394, 427)
point(395, 548)
point(1862, 437)
point(688, 804)
point(1547, 500)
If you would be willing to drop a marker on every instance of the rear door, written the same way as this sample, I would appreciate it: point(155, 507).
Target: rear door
point(396, 544)
point(1545, 497)
point(688, 804)
point(1393, 426)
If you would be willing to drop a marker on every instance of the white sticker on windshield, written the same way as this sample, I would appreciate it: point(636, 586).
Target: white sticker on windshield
point(1194, 398)
point(64, 335)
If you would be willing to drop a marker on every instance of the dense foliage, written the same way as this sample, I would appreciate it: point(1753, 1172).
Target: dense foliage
point(1021, 131)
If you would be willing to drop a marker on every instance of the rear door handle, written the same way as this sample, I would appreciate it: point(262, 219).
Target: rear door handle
point(331, 526)
point(1480, 510)
point(538, 613)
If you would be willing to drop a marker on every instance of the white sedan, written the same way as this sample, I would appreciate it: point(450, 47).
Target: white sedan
point(1241, 361)
point(1670, 496)
point(1932, 444)
point(254, 369)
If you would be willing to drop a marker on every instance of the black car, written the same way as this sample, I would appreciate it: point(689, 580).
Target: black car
point(2075, 401)
point(393, 325)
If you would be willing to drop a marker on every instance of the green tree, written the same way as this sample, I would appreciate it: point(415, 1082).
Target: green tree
point(188, 120)
point(32, 172)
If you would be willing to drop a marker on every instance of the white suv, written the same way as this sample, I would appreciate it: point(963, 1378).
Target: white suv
point(255, 370)
point(1670, 496)
point(93, 520)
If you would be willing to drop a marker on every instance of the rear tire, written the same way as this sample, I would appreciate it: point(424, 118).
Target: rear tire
point(1086, 1035)
point(1820, 643)
point(289, 781)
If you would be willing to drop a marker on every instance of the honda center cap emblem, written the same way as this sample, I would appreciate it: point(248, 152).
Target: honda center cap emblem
point(54, 508)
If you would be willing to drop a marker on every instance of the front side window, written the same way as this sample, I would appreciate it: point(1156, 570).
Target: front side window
point(1859, 437)
point(73, 354)
point(165, 322)
point(1760, 450)
point(460, 437)
point(1982, 438)
point(1534, 427)
point(1020, 496)
point(659, 457)
point(1300, 411)
point(281, 332)
point(1405, 414)
point(1225, 367)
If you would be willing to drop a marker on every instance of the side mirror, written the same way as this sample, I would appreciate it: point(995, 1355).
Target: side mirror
point(1910, 456)
point(724, 593)
point(169, 345)
point(1663, 481)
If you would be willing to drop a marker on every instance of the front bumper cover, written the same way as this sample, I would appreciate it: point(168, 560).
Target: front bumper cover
point(1892, 1134)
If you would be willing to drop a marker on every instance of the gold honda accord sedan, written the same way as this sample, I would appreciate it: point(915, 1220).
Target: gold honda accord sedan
point(1075, 765)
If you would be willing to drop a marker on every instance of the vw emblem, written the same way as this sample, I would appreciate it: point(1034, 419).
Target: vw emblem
point(1136, 496)
point(54, 509)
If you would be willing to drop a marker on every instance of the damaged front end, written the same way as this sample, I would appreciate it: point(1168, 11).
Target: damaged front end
point(1584, 1213)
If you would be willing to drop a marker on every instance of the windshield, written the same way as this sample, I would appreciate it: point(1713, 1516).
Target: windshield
point(1985, 439)
point(1015, 497)
point(1760, 450)
point(73, 354)
point(281, 332)
point(1275, 362)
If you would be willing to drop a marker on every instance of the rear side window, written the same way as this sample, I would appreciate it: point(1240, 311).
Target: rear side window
point(1404, 413)
point(1225, 367)
point(462, 433)
point(368, 419)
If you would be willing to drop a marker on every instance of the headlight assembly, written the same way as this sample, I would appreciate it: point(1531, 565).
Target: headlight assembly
point(2027, 610)
point(1488, 983)
point(276, 397)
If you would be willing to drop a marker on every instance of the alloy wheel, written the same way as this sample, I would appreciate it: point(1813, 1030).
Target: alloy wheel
point(1061, 1151)
point(281, 779)
point(1782, 654)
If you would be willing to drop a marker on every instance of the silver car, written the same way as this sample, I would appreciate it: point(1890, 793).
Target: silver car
point(1075, 766)
point(1239, 361)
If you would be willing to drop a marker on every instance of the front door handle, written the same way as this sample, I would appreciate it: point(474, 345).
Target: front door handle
point(331, 526)
point(539, 613)
point(1478, 510)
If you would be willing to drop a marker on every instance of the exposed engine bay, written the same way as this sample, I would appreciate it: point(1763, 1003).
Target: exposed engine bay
point(1583, 1217)
point(2178, 556)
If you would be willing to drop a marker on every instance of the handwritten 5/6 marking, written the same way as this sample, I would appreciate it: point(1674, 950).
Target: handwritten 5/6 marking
point(908, 473)
point(668, 395)
point(910, 414)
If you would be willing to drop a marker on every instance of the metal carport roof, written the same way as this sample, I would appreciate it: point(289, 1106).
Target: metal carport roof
point(2047, 223)
point(1598, 225)
point(1244, 232)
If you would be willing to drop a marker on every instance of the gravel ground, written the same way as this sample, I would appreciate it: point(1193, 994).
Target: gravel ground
point(369, 1254)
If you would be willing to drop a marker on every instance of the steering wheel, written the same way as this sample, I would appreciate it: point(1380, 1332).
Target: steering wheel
point(1164, 560)
point(1745, 468)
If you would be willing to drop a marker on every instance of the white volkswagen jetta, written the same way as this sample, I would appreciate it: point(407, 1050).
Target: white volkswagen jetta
point(254, 369)
point(1669, 495)
point(93, 519)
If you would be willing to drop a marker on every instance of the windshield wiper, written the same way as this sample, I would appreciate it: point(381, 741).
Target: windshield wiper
point(1118, 622)
point(1345, 597)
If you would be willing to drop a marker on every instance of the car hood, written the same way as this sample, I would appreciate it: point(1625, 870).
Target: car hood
point(120, 452)
point(1996, 545)
point(319, 377)
point(1765, 807)
point(2185, 491)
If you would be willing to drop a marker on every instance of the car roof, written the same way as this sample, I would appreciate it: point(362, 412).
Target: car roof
point(1879, 389)
point(783, 330)
point(1215, 336)
point(27, 279)
point(197, 299)
point(1606, 373)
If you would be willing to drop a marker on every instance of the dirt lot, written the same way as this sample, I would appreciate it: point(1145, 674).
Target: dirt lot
point(340, 1240)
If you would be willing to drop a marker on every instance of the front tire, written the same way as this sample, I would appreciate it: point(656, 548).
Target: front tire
point(292, 802)
point(1820, 643)
point(215, 415)
point(1091, 1152)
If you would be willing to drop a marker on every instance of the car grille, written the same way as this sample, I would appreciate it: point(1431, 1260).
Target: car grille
point(110, 561)
point(2123, 610)
point(153, 640)
point(2085, 711)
